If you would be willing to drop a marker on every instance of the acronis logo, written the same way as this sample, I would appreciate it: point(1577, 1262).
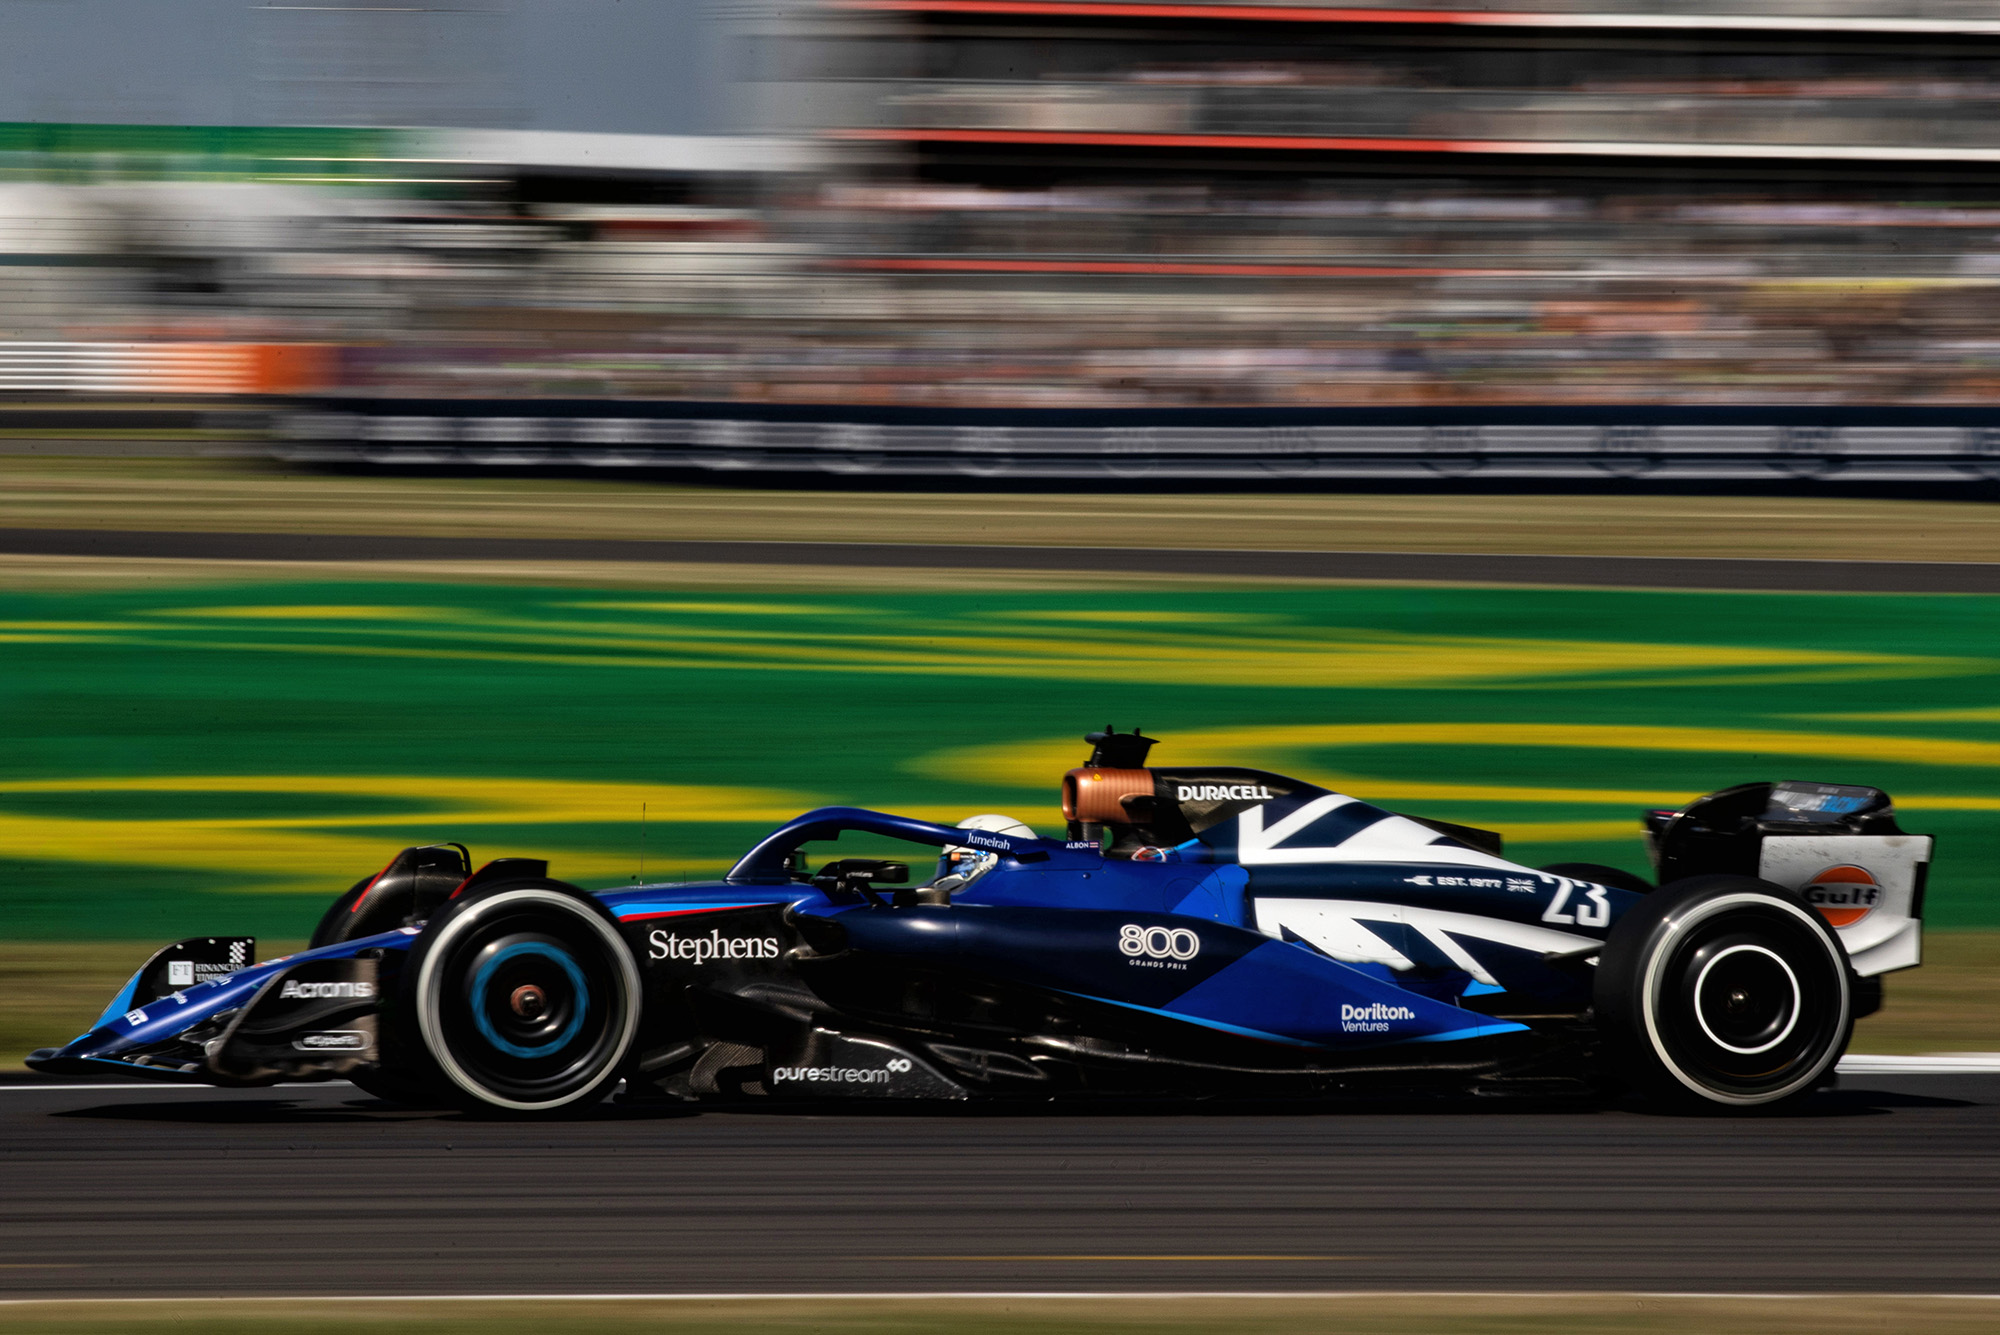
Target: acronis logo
point(293, 990)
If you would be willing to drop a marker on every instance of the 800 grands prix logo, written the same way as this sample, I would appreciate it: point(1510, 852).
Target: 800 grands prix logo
point(1158, 947)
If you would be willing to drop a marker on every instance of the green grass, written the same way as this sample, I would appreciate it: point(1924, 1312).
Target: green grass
point(219, 758)
point(1950, 1004)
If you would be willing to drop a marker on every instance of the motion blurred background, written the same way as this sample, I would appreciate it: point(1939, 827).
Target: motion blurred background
point(212, 209)
point(1095, 203)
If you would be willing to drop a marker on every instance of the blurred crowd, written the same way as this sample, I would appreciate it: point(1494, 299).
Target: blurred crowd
point(928, 295)
point(877, 277)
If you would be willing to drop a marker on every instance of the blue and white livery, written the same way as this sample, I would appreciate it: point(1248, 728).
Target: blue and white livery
point(1211, 932)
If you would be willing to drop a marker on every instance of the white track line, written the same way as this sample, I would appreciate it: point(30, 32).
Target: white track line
point(173, 1087)
point(1942, 1063)
point(126, 1085)
point(1017, 1295)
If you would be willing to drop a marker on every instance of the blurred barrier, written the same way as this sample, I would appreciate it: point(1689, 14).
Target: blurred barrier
point(1637, 444)
point(163, 368)
point(1884, 127)
point(1942, 18)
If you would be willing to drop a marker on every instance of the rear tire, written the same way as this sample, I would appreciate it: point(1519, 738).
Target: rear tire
point(1727, 990)
point(525, 999)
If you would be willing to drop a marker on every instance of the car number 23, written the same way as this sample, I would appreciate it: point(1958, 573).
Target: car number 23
point(1593, 910)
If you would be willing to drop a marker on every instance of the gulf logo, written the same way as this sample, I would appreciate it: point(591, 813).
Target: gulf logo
point(1844, 894)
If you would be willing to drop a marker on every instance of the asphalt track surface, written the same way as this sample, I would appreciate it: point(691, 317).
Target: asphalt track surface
point(1434, 567)
point(1886, 1184)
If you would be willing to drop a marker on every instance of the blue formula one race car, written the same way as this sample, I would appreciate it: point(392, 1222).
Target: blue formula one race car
point(1200, 933)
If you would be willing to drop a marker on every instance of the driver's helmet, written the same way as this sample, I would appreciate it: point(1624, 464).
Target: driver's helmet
point(960, 863)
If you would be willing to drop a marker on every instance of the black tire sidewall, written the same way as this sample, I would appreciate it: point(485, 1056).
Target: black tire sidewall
point(1642, 969)
point(429, 970)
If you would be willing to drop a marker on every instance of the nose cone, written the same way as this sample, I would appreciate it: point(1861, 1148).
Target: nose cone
point(103, 1052)
point(165, 1039)
point(91, 1055)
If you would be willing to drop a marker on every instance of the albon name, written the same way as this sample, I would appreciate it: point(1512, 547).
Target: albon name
point(715, 946)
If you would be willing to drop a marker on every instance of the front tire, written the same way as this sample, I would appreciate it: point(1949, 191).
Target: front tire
point(1724, 989)
point(526, 999)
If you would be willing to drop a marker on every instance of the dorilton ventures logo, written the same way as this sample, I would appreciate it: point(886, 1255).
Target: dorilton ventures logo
point(1373, 1018)
point(1223, 792)
point(715, 946)
point(293, 990)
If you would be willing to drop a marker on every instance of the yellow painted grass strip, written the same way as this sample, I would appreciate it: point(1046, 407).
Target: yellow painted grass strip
point(1989, 714)
point(1289, 748)
point(318, 612)
point(303, 853)
point(1567, 831)
point(1271, 655)
point(308, 853)
point(727, 609)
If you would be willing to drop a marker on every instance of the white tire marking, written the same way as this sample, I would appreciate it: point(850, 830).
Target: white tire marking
point(1649, 999)
point(430, 1020)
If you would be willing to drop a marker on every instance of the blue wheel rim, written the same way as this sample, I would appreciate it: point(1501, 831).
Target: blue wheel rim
point(569, 1031)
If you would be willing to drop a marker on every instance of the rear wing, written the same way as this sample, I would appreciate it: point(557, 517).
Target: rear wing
point(1869, 886)
point(1838, 846)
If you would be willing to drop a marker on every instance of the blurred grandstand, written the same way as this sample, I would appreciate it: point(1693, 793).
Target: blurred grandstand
point(1071, 204)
